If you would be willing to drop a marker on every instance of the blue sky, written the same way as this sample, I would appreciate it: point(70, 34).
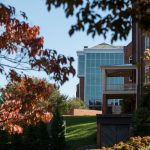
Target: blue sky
point(54, 27)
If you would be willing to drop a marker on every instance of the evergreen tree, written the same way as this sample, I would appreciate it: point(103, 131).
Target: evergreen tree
point(57, 132)
point(141, 120)
point(37, 137)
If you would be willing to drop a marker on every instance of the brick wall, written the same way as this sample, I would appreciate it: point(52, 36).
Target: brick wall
point(127, 52)
point(127, 55)
point(77, 90)
point(81, 88)
point(85, 112)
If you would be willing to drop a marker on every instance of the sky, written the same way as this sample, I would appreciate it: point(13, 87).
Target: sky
point(54, 27)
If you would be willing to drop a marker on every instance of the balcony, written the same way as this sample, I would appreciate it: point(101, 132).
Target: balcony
point(125, 89)
point(127, 72)
point(119, 88)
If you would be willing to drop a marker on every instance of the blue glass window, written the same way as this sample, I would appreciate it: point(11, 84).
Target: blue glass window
point(81, 64)
point(98, 56)
point(93, 89)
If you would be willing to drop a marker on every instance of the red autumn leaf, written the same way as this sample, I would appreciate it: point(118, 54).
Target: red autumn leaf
point(21, 48)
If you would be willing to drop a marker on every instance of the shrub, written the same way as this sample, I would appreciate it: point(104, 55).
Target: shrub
point(4, 138)
point(57, 132)
point(34, 138)
point(141, 119)
point(75, 103)
point(146, 101)
point(134, 143)
point(141, 122)
point(64, 104)
point(58, 100)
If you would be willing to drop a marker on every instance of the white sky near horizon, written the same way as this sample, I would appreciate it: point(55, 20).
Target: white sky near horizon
point(54, 26)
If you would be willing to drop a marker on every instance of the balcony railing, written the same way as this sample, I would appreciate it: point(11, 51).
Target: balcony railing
point(120, 87)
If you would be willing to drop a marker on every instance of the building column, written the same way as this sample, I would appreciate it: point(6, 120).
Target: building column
point(104, 80)
point(104, 107)
point(137, 90)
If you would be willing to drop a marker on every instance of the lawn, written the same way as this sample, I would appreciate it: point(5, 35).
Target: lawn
point(147, 148)
point(80, 131)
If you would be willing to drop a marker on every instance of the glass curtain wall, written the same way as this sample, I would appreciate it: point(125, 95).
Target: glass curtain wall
point(81, 65)
point(93, 76)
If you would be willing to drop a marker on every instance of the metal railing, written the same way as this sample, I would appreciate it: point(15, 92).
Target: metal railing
point(120, 87)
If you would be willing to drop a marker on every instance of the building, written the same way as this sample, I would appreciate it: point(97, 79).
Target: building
point(141, 42)
point(90, 60)
point(136, 76)
point(126, 91)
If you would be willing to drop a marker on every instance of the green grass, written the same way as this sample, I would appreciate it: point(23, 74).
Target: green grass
point(147, 148)
point(80, 131)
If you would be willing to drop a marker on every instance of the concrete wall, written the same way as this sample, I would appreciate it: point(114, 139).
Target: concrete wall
point(85, 112)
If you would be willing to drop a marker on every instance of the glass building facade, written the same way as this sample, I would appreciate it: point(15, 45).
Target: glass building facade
point(81, 65)
point(89, 62)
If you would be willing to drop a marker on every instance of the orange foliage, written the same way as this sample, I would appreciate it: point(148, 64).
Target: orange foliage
point(21, 48)
point(24, 104)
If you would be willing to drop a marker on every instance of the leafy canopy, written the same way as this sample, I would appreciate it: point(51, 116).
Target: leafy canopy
point(101, 16)
point(23, 104)
point(21, 49)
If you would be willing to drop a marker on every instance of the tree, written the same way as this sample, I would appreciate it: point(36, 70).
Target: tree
point(24, 105)
point(101, 16)
point(57, 132)
point(36, 137)
point(74, 103)
point(58, 100)
point(21, 49)
point(141, 119)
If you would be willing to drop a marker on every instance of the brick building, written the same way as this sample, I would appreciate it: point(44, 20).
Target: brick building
point(89, 88)
point(137, 77)
point(140, 42)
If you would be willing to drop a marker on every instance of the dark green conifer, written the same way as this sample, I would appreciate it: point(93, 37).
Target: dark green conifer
point(57, 133)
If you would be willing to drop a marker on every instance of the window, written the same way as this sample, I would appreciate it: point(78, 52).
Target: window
point(107, 56)
point(147, 66)
point(93, 56)
point(130, 60)
point(93, 63)
point(112, 56)
point(111, 61)
point(147, 74)
point(98, 64)
point(103, 56)
point(81, 64)
point(88, 56)
point(97, 56)
point(93, 74)
point(147, 42)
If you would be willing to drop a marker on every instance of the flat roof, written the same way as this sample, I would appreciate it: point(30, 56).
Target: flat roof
point(124, 66)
